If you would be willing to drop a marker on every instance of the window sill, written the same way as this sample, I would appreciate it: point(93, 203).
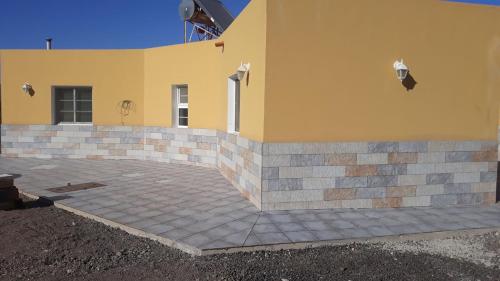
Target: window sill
point(182, 127)
point(234, 133)
point(75, 124)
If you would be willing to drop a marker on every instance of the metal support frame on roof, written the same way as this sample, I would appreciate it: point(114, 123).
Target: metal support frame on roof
point(202, 33)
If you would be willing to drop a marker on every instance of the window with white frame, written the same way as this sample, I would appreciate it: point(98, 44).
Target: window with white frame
point(72, 105)
point(233, 100)
point(181, 106)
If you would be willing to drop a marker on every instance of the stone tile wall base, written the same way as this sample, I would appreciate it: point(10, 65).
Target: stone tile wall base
point(378, 174)
point(237, 158)
point(282, 176)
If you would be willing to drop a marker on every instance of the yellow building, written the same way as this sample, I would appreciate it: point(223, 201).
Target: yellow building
point(318, 119)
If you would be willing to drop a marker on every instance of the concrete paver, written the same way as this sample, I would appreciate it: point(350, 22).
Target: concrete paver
point(196, 206)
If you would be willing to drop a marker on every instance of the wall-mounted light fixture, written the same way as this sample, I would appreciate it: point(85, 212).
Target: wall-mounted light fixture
point(27, 88)
point(242, 70)
point(401, 69)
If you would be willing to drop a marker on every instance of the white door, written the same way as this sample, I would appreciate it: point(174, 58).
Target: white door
point(231, 95)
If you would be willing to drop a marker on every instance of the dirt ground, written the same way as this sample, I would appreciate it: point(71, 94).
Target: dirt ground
point(46, 243)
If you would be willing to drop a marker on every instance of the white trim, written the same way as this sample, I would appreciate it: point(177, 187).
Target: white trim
point(232, 91)
point(177, 105)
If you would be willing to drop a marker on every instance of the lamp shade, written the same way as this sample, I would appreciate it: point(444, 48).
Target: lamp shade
point(401, 70)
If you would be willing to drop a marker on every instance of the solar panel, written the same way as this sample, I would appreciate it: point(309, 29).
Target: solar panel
point(217, 12)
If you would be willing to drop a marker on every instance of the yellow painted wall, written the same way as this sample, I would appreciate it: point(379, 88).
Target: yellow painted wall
point(206, 68)
point(319, 72)
point(146, 78)
point(330, 77)
point(114, 76)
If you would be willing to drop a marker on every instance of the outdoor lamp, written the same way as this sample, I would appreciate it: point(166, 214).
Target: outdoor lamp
point(401, 70)
point(242, 70)
point(26, 88)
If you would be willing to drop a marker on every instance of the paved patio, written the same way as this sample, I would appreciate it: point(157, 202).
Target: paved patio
point(197, 210)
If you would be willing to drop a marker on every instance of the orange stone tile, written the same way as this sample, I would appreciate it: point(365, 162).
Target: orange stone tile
point(341, 159)
point(94, 157)
point(492, 166)
point(185, 150)
point(338, 194)
point(203, 145)
point(485, 156)
point(403, 158)
point(489, 198)
point(394, 202)
point(117, 152)
point(404, 191)
point(361, 170)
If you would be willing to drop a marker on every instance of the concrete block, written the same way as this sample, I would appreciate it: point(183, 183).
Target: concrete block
point(295, 172)
point(341, 159)
point(357, 203)
point(454, 188)
point(404, 180)
point(333, 194)
point(432, 179)
point(391, 170)
point(370, 193)
point(382, 181)
point(426, 190)
point(470, 199)
point(383, 147)
point(488, 176)
point(372, 158)
point(484, 187)
point(282, 148)
point(327, 171)
point(444, 200)
point(304, 160)
point(318, 183)
point(459, 156)
point(270, 173)
point(466, 178)
point(350, 182)
point(419, 146)
point(419, 201)
point(401, 191)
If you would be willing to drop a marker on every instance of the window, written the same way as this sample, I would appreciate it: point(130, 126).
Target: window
point(181, 108)
point(73, 105)
point(233, 99)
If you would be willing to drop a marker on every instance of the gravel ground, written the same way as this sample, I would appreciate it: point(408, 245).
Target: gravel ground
point(46, 243)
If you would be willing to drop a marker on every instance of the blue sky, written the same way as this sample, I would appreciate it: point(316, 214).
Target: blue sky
point(99, 24)
point(93, 24)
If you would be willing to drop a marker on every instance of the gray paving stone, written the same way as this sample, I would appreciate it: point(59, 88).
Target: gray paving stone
point(341, 224)
point(317, 225)
point(403, 229)
point(265, 228)
point(252, 240)
point(300, 236)
point(380, 231)
point(326, 235)
point(352, 233)
point(287, 227)
point(199, 203)
point(272, 238)
point(159, 228)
